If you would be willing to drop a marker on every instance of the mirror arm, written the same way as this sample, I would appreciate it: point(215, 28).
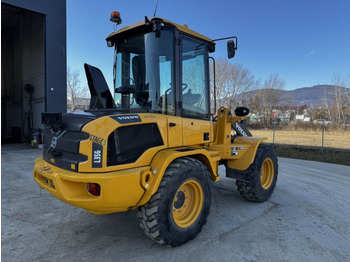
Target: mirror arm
point(230, 37)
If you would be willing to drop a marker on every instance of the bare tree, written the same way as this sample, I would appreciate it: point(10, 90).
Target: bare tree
point(267, 98)
point(75, 92)
point(347, 98)
point(339, 101)
point(326, 105)
point(233, 83)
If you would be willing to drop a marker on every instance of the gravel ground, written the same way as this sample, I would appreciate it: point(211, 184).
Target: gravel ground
point(306, 219)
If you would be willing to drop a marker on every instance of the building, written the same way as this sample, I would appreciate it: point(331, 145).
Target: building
point(81, 104)
point(33, 64)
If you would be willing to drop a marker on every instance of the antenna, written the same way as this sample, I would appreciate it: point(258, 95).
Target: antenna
point(155, 11)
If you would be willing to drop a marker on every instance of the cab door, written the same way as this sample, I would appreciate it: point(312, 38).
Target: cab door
point(196, 132)
point(175, 138)
point(195, 92)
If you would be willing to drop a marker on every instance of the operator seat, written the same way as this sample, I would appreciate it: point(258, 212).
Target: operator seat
point(190, 99)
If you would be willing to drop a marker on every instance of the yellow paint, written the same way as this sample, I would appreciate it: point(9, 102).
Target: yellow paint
point(193, 131)
point(128, 186)
point(187, 204)
point(162, 159)
point(246, 158)
point(102, 127)
point(175, 138)
point(267, 173)
point(223, 126)
point(120, 190)
point(241, 153)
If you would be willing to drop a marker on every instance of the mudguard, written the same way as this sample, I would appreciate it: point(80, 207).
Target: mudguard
point(163, 158)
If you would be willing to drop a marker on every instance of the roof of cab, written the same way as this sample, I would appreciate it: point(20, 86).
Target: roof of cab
point(182, 28)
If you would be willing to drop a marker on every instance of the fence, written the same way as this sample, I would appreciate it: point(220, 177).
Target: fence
point(306, 134)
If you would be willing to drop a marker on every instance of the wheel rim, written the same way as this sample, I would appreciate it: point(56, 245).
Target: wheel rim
point(187, 204)
point(267, 173)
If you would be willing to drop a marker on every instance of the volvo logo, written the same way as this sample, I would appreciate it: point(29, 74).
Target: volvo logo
point(127, 119)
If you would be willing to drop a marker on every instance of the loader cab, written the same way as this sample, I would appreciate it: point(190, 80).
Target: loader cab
point(161, 67)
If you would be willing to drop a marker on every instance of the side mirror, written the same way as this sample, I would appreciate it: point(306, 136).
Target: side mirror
point(231, 49)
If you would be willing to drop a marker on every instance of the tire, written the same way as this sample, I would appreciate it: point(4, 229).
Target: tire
point(262, 176)
point(176, 213)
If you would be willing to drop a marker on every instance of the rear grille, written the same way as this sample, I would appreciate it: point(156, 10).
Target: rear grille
point(127, 143)
point(65, 154)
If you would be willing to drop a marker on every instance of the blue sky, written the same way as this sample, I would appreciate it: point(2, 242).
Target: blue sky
point(306, 42)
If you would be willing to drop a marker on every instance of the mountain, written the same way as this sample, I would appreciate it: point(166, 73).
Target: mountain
point(311, 95)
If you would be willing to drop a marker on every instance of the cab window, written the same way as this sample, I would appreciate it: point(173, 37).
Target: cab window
point(195, 95)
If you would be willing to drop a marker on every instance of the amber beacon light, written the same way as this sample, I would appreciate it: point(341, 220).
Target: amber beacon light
point(115, 18)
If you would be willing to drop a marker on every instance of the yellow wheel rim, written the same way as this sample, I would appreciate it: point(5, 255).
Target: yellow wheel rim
point(267, 173)
point(187, 204)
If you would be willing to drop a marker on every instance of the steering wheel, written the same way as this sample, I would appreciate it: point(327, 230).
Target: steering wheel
point(183, 89)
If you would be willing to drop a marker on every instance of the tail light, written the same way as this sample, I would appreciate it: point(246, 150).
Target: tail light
point(94, 189)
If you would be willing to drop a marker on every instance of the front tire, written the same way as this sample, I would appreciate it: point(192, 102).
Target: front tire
point(176, 213)
point(262, 176)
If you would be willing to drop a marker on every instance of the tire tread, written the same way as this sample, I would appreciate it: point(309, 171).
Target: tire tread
point(148, 215)
point(249, 189)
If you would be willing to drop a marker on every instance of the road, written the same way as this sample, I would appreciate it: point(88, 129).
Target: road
point(306, 219)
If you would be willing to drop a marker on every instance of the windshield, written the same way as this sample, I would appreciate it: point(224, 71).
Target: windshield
point(146, 63)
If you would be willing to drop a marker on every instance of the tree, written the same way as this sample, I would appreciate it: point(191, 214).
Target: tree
point(267, 98)
point(325, 102)
point(233, 83)
point(75, 92)
point(336, 102)
point(347, 98)
point(339, 97)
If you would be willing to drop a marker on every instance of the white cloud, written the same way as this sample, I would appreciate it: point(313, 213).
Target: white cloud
point(313, 51)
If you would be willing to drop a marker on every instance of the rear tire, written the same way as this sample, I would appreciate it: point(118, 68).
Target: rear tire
point(176, 213)
point(262, 176)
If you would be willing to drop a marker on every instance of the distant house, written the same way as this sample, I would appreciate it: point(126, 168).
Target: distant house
point(299, 117)
point(283, 115)
point(254, 118)
point(303, 118)
point(81, 104)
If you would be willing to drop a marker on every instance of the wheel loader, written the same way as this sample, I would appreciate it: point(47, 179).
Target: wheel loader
point(153, 143)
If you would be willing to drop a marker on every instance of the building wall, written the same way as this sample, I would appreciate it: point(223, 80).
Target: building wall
point(55, 38)
point(23, 62)
point(33, 52)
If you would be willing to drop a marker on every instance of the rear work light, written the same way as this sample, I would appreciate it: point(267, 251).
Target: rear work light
point(94, 189)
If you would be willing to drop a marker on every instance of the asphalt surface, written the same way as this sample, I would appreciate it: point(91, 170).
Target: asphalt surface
point(306, 219)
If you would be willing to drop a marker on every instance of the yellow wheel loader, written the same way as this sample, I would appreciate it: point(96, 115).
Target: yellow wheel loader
point(153, 145)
